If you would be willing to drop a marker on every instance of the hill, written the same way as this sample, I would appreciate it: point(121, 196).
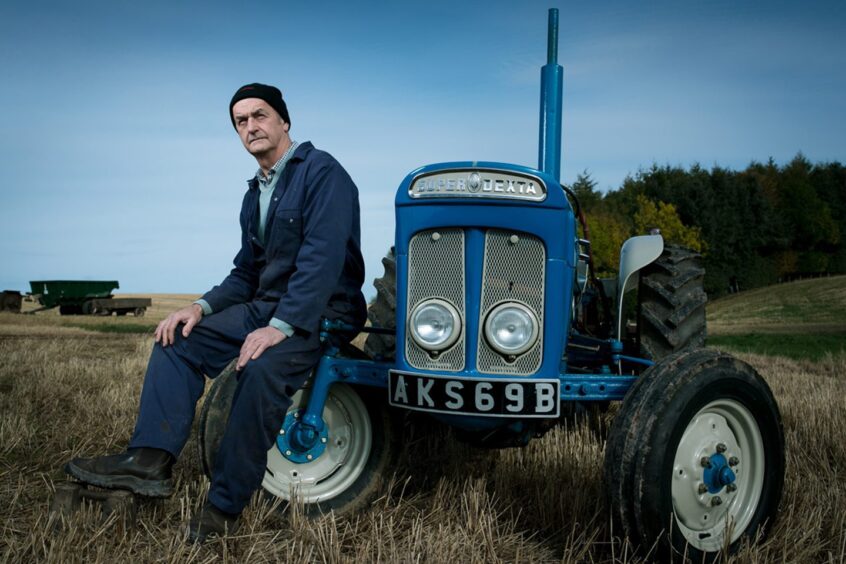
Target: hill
point(802, 319)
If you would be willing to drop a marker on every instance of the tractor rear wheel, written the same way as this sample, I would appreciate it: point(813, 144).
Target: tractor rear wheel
point(344, 472)
point(382, 312)
point(698, 465)
point(671, 308)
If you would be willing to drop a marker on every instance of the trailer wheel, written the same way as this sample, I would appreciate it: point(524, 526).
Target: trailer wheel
point(671, 303)
point(139, 311)
point(382, 311)
point(70, 310)
point(704, 454)
point(344, 475)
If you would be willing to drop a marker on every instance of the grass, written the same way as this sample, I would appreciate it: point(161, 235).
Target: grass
point(799, 346)
point(73, 390)
point(114, 327)
point(805, 319)
point(818, 302)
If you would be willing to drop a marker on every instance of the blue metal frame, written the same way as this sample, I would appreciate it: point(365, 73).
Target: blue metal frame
point(574, 387)
point(304, 431)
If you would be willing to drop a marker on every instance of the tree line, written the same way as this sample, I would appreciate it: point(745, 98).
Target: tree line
point(754, 227)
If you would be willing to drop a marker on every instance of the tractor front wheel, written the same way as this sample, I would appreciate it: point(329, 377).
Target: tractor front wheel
point(696, 464)
point(344, 471)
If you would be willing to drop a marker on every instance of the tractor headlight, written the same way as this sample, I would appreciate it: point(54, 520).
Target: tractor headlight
point(511, 328)
point(435, 325)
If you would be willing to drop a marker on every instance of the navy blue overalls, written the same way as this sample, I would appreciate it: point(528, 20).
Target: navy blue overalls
point(310, 267)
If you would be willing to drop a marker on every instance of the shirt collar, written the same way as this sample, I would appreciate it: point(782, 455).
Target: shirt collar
point(280, 164)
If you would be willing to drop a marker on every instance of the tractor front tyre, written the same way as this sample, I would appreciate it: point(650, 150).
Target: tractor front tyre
point(343, 475)
point(671, 303)
point(382, 312)
point(697, 466)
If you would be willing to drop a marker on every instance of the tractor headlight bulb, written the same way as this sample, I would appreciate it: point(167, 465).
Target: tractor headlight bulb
point(511, 328)
point(435, 325)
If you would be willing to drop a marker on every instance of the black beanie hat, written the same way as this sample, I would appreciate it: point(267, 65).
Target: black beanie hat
point(269, 94)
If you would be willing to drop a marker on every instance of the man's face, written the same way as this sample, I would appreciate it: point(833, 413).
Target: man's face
point(260, 128)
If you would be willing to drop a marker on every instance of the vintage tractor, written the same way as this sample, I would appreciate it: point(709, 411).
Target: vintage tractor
point(490, 318)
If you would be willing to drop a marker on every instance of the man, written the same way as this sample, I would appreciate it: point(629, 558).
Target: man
point(300, 260)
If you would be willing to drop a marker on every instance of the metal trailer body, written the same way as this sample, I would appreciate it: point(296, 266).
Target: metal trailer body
point(88, 297)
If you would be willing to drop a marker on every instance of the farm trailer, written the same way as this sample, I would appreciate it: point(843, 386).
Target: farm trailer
point(87, 297)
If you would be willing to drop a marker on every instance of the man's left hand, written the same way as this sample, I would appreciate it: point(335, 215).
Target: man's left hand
point(257, 342)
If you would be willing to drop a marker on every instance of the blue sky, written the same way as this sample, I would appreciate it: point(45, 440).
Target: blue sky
point(118, 160)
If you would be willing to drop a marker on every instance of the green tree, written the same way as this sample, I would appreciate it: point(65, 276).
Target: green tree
point(585, 189)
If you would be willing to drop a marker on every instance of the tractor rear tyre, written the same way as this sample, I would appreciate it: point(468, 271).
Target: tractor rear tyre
point(671, 308)
point(344, 477)
point(698, 464)
point(382, 312)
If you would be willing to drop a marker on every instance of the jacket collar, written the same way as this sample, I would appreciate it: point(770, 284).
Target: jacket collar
point(300, 154)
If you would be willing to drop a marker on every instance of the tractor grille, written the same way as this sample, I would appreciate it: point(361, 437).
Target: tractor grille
point(513, 271)
point(436, 270)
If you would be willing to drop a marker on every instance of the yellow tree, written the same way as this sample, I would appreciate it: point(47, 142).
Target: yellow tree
point(651, 215)
point(607, 235)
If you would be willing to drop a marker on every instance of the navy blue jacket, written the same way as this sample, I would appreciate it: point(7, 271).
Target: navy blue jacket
point(311, 261)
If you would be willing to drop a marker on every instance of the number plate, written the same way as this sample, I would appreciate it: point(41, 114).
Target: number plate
point(497, 397)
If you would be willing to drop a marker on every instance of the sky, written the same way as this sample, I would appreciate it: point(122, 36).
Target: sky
point(118, 160)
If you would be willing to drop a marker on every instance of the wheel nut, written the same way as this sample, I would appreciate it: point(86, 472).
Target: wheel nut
point(721, 448)
point(281, 431)
point(734, 461)
point(705, 462)
point(716, 500)
point(287, 453)
point(703, 488)
point(731, 488)
point(323, 440)
point(309, 457)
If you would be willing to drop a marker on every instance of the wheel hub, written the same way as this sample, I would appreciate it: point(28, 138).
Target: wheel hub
point(704, 483)
point(301, 443)
point(718, 474)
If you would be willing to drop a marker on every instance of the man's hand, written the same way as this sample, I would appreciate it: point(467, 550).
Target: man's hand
point(189, 316)
point(257, 342)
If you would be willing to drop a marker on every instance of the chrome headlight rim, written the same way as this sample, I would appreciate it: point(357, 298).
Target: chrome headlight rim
point(489, 330)
point(449, 341)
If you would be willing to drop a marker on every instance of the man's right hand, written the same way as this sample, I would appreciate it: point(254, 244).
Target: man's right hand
point(190, 316)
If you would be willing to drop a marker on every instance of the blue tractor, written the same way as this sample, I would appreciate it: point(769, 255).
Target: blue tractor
point(489, 318)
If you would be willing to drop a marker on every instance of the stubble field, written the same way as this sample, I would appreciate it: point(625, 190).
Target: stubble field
point(70, 387)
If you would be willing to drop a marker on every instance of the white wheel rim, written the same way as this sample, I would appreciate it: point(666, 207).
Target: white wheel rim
point(334, 471)
point(704, 524)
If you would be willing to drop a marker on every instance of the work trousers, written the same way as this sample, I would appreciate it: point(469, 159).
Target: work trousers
point(176, 378)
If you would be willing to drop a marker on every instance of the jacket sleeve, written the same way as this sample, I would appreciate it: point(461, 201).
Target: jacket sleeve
point(331, 199)
point(241, 284)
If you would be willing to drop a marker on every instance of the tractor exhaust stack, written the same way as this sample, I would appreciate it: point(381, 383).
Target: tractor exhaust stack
point(552, 86)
